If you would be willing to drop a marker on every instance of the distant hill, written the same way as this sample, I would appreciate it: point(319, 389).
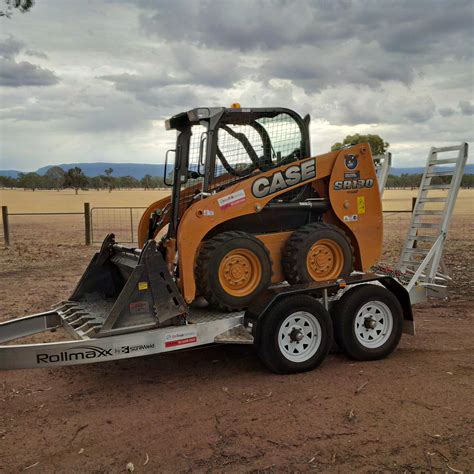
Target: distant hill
point(9, 173)
point(138, 170)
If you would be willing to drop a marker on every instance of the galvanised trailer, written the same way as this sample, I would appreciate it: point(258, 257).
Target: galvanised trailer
point(112, 316)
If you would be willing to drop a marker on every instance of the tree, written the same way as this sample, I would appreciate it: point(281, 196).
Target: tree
point(55, 177)
point(146, 181)
point(21, 5)
point(8, 182)
point(109, 180)
point(29, 181)
point(75, 179)
point(127, 182)
point(377, 144)
point(96, 183)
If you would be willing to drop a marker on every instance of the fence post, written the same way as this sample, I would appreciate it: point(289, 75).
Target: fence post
point(87, 222)
point(6, 227)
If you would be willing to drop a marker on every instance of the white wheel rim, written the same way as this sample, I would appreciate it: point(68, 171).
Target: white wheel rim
point(373, 324)
point(299, 336)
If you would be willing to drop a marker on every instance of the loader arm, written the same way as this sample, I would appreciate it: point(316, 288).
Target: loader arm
point(355, 205)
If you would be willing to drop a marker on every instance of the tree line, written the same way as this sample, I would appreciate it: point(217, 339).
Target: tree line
point(412, 181)
point(74, 178)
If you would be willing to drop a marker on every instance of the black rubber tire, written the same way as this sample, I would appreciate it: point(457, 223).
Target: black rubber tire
point(209, 259)
point(268, 328)
point(298, 245)
point(344, 312)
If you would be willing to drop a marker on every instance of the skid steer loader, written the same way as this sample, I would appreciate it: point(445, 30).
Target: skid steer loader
point(250, 207)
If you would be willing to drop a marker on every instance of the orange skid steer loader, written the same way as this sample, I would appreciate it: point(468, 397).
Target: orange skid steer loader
point(250, 207)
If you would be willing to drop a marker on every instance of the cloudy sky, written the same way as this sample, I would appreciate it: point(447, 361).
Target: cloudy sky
point(93, 80)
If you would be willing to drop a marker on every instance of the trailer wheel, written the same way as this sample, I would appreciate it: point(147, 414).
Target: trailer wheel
point(231, 269)
point(368, 322)
point(317, 252)
point(295, 336)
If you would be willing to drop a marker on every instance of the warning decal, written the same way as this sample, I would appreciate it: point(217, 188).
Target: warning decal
point(180, 338)
point(231, 199)
point(360, 205)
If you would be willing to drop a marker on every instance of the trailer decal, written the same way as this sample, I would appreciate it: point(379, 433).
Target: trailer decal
point(180, 339)
point(139, 307)
point(88, 352)
point(129, 349)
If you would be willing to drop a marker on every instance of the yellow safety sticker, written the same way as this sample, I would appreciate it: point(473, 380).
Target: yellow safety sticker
point(142, 285)
point(360, 204)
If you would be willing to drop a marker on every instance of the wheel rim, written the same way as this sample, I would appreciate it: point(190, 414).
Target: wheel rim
point(373, 324)
point(240, 272)
point(325, 260)
point(299, 336)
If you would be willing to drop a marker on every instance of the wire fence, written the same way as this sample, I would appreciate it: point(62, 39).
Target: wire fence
point(121, 221)
point(97, 223)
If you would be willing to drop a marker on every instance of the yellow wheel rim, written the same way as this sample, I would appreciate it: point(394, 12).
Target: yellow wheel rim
point(240, 272)
point(325, 260)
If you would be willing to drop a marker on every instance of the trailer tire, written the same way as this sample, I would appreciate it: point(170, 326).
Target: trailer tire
point(231, 269)
point(368, 322)
point(278, 335)
point(317, 252)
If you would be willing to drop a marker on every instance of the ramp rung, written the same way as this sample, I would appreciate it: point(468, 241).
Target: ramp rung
point(417, 251)
point(424, 238)
point(437, 186)
point(426, 225)
point(443, 161)
point(424, 212)
point(447, 148)
point(432, 199)
point(432, 174)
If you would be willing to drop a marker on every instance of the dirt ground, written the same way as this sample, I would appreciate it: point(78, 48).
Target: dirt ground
point(218, 409)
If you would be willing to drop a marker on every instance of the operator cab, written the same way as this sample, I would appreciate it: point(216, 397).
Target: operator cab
point(214, 142)
point(218, 146)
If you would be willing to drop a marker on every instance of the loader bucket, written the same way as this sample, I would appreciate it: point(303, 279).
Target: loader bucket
point(124, 290)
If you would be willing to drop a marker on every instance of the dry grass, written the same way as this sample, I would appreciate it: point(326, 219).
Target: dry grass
point(400, 199)
point(66, 200)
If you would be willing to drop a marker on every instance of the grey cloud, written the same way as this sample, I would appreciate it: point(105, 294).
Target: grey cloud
point(10, 47)
point(182, 64)
point(446, 111)
point(314, 70)
point(36, 54)
point(318, 43)
point(404, 26)
point(13, 74)
point(352, 106)
point(466, 107)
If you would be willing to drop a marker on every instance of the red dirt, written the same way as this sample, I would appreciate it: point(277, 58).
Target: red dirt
point(219, 409)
